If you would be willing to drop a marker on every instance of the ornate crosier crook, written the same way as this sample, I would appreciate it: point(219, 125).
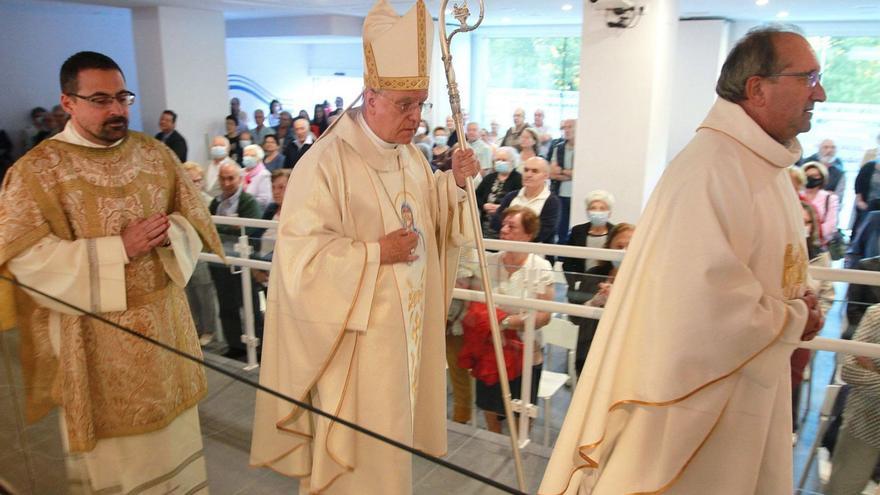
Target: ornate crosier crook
point(461, 13)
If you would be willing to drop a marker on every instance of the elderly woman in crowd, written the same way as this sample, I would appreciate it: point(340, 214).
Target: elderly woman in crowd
point(825, 203)
point(496, 185)
point(256, 180)
point(200, 291)
point(508, 272)
point(528, 144)
point(593, 288)
point(593, 234)
point(273, 159)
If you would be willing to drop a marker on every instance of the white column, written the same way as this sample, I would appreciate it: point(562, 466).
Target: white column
point(701, 48)
point(181, 62)
point(624, 115)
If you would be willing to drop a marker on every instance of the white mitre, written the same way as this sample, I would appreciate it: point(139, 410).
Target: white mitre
point(397, 50)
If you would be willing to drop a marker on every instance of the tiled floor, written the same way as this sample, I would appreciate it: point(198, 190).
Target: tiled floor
point(32, 461)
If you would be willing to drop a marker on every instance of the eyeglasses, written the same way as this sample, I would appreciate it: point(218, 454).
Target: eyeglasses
point(410, 106)
point(103, 100)
point(813, 77)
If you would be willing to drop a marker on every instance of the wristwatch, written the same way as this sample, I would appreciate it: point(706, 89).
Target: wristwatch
point(505, 323)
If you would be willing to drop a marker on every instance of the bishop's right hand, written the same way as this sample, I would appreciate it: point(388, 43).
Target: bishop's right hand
point(398, 247)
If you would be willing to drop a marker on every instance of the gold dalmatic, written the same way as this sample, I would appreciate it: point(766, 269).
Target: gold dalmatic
point(108, 382)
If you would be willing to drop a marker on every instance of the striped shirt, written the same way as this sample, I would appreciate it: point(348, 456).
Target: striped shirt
point(861, 416)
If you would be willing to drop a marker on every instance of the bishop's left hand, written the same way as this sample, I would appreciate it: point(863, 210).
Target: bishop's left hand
point(464, 165)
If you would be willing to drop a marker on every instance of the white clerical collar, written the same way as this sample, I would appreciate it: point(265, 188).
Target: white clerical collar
point(71, 136)
point(379, 142)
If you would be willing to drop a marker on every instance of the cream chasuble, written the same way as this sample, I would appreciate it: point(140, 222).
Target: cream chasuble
point(355, 338)
point(686, 387)
point(128, 406)
point(403, 209)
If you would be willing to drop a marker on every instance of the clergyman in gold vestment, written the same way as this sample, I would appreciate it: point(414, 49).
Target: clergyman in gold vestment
point(361, 281)
point(107, 220)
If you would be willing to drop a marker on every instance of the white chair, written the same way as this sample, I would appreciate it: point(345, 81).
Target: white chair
point(562, 333)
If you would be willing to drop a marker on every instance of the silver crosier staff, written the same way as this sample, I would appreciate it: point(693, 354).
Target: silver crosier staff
point(461, 13)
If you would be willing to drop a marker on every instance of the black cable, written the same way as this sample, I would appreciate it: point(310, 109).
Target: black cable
point(308, 407)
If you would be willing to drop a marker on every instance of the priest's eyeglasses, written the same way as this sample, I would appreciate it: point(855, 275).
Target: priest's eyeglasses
point(409, 106)
point(813, 77)
point(103, 100)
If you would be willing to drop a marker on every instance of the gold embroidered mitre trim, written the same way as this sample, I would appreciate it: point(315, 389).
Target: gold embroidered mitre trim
point(373, 79)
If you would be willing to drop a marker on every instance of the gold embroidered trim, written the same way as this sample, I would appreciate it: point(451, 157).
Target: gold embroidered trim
point(591, 463)
point(421, 81)
point(423, 48)
point(16, 247)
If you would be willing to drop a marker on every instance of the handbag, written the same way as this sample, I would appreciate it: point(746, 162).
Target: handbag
point(477, 351)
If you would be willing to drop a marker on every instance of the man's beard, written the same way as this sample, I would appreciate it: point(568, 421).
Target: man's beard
point(113, 133)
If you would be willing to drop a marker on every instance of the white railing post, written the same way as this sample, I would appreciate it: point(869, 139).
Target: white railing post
point(243, 249)
point(527, 410)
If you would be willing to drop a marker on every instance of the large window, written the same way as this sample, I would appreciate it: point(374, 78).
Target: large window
point(532, 73)
point(851, 115)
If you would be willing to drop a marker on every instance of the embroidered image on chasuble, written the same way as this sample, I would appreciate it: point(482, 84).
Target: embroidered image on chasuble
point(109, 383)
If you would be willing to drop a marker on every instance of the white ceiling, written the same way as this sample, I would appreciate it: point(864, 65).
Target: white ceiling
point(535, 12)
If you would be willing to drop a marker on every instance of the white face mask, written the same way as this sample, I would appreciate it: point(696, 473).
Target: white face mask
point(249, 162)
point(218, 152)
point(598, 218)
point(422, 130)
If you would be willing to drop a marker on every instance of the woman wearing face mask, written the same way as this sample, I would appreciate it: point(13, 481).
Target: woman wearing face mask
point(442, 154)
point(256, 181)
point(825, 203)
point(496, 185)
point(594, 287)
point(592, 234)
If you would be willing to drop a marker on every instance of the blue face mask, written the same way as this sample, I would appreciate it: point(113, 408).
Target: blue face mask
point(218, 152)
point(440, 140)
point(598, 218)
point(244, 143)
point(249, 161)
point(616, 263)
point(502, 167)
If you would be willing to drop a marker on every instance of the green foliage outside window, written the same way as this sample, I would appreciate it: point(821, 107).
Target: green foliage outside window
point(850, 68)
point(535, 63)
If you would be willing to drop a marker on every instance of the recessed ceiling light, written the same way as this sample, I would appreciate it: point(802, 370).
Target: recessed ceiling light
point(761, 3)
point(782, 14)
point(567, 7)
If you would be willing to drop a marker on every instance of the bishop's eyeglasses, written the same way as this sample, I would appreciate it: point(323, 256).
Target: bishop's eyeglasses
point(812, 77)
point(408, 106)
point(103, 100)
